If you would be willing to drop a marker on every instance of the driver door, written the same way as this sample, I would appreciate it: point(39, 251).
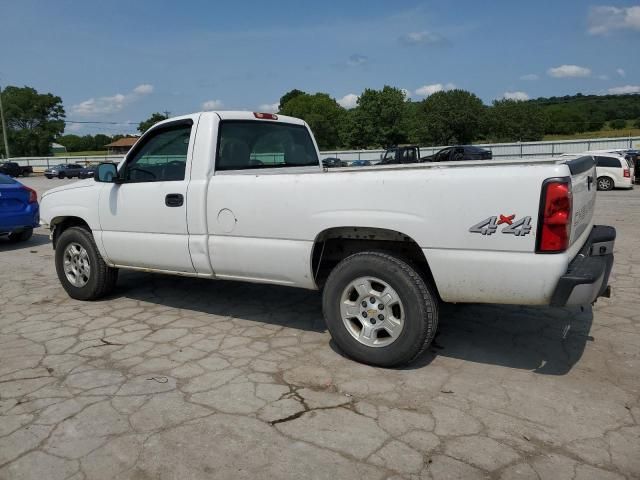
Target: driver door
point(143, 218)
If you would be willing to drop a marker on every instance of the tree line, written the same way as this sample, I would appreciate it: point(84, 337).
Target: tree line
point(387, 117)
point(380, 118)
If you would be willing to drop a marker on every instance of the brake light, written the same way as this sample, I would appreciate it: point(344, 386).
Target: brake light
point(626, 173)
point(554, 225)
point(265, 116)
point(33, 196)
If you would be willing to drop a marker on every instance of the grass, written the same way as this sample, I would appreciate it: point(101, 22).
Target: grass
point(626, 132)
point(86, 153)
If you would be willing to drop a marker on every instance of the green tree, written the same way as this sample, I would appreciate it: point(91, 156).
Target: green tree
point(290, 95)
point(379, 119)
point(618, 124)
point(451, 117)
point(322, 113)
point(100, 140)
point(511, 120)
point(33, 120)
point(151, 121)
point(637, 123)
point(71, 141)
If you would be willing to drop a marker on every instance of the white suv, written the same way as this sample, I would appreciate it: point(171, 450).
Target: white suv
point(613, 171)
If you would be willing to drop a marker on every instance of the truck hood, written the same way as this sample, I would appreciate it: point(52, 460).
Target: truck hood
point(89, 182)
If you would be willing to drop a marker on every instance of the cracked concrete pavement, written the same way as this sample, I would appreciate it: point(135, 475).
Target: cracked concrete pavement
point(186, 378)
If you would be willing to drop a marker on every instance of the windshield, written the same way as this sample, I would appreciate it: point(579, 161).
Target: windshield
point(253, 144)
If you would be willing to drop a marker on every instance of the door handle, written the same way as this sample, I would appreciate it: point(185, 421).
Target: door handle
point(174, 200)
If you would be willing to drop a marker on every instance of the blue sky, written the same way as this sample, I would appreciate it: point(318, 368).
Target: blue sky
point(120, 61)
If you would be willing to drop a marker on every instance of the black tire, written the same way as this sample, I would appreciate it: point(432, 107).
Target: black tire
point(605, 184)
point(102, 278)
point(21, 236)
point(419, 302)
point(49, 176)
point(61, 175)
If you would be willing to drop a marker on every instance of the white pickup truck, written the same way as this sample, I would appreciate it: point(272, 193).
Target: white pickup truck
point(243, 196)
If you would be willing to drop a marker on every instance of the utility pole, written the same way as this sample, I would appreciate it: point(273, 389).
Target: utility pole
point(166, 113)
point(4, 127)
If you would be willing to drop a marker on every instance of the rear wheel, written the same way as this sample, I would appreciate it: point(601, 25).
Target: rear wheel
point(80, 267)
point(605, 183)
point(379, 309)
point(61, 175)
point(21, 236)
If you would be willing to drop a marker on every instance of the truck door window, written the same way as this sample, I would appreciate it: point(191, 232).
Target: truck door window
point(252, 144)
point(161, 158)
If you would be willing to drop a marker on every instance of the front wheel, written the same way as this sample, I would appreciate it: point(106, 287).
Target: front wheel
point(605, 183)
point(379, 310)
point(80, 267)
point(61, 175)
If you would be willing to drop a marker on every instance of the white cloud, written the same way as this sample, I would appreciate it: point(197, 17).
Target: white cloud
point(212, 105)
point(112, 104)
point(350, 100)
point(624, 89)
point(604, 19)
point(529, 77)
point(143, 89)
point(269, 107)
point(566, 71)
point(422, 38)
point(515, 96)
point(621, 72)
point(427, 90)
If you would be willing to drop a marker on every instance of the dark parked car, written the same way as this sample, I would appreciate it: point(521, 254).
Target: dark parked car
point(68, 170)
point(360, 163)
point(332, 162)
point(87, 172)
point(411, 154)
point(14, 169)
point(19, 210)
point(458, 153)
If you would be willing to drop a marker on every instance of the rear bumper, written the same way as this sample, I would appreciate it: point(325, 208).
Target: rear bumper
point(17, 221)
point(587, 277)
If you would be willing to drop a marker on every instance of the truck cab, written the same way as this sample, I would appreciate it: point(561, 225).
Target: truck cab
point(401, 154)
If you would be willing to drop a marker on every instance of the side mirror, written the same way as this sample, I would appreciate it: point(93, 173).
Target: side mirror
point(106, 173)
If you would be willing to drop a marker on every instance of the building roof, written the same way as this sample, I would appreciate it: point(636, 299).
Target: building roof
point(123, 142)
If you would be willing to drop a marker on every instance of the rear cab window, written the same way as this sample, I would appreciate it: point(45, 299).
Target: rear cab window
point(250, 144)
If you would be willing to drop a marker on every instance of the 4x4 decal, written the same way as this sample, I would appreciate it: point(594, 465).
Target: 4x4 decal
point(490, 225)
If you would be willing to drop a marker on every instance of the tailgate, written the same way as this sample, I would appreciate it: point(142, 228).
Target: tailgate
point(583, 191)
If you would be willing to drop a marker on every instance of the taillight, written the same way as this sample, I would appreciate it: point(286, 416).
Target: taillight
point(554, 225)
point(626, 173)
point(33, 196)
point(265, 116)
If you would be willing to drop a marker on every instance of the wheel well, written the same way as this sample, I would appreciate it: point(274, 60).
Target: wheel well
point(335, 244)
point(63, 223)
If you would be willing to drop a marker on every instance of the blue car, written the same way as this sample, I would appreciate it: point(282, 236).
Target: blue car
point(19, 210)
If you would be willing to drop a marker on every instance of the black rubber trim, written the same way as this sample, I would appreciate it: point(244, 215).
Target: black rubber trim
point(586, 269)
point(543, 197)
point(580, 165)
